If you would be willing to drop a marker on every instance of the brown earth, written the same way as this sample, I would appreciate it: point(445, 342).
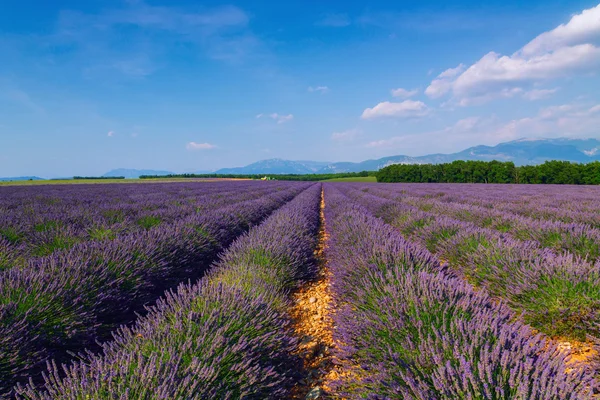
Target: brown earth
point(312, 311)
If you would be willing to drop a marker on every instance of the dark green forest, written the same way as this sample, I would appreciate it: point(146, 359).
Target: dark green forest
point(550, 172)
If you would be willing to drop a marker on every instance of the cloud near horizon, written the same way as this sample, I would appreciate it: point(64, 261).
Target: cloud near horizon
point(346, 136)
point(567, 120)
point(200, 146)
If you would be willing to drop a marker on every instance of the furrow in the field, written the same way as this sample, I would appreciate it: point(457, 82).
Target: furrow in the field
point(312, 323)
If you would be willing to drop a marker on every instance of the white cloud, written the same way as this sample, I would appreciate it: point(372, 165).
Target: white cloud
point(110, 133)
point(568, 50)
point(453, 72)
point(443, 83)
point(386, 142)
point(445, 139)
point(582, 28)
point(537, 94)
point(568, 120)
point(576, 120)
point(484, 98)
point(467, 124)
point(345, 136)
point(277, 117)
point(405, 109)
point(322, 89)
point(403, 93)
point(282, 118)
point(199, 146)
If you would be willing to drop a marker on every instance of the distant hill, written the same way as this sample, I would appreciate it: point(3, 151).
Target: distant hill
point(134, 173)
point(521, 152)
point(277, 166)
point(22, 178)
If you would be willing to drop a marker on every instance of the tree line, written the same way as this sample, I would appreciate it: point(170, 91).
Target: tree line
point(97, 177)
point(279, 177)
point(550, 172)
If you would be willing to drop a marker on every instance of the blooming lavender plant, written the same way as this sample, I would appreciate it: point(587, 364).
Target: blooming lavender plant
point(413, 331)
point(557, 292)
point(74, 298)
point(219, 338)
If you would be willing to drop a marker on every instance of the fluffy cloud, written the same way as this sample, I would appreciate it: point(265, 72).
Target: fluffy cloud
point(405, 109)
point(403, 93)
point(199, 146)
point(277, 117)
point(565, 51)
point(322, 89)
point(345, 136)
point(582, 28)
point(443, 83)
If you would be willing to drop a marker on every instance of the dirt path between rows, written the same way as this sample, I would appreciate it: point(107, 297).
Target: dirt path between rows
point(312, 312)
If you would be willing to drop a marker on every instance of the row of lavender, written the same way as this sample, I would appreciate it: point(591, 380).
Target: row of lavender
point(37, 222)
point(547, 271)
point(579, 198)
point(577, 238)
point(225, 337)
point(409, 328)
point(74, 298)
point(579, 204)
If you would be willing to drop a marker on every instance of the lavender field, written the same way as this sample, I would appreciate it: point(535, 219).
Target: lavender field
point(195, 291)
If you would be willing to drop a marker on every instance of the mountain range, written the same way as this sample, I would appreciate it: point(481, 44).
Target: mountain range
point(21, 178)
point(521, 152)
point(134, 173)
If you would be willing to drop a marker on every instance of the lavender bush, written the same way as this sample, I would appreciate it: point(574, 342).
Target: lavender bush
point(414, 331)
point(223, 337)
point(557, 292)
point(72, 299)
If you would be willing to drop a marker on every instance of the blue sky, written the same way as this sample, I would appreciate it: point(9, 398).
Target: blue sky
point(186, 86)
